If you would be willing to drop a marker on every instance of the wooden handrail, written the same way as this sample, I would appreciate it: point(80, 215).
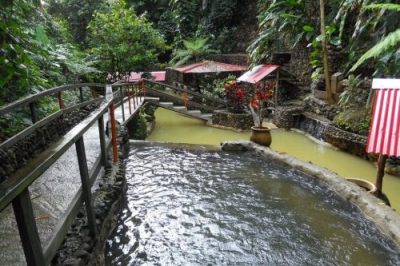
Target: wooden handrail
point(15, 189)
point(190, 103)
point(32, 98)
point(190, 92)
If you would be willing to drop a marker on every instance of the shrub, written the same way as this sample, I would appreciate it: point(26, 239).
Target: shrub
point(354, 120)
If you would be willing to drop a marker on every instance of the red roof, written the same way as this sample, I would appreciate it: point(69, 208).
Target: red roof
point(385, 126)
point(210, 67)
point(257, 73)
point(158, 76)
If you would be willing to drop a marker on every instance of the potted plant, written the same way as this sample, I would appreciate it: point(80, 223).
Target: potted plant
point(262, 98)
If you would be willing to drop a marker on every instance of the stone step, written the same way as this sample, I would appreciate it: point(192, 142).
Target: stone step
point(180, 108)
point(206, 116)
point(167, 104)
point(152, 99)
point(194, 112)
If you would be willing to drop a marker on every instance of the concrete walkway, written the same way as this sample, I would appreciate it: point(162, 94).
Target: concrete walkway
point(52, 193)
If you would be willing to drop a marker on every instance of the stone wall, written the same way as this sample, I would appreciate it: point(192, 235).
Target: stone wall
point(300, 64)
point(236, 59)
point(320, 128)
point(320, 107)
point(285, 116)
point(232, 120)
point(20, 153)
point(346, 141)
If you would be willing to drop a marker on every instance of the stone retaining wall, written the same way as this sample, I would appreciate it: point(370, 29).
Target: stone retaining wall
point(232, 120)
point(385, 218)
point(320, 128)
point(23, 151)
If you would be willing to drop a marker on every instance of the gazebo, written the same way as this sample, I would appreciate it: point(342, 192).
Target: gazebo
point(157, 75)
point(191, 74)
point(384, 132)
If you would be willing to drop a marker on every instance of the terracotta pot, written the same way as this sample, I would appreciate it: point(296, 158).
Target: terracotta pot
point(261, 136)
point(368, 186)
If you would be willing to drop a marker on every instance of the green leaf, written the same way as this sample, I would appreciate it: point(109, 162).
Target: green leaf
point(335, 41)
point(308, 28)
point(41, 36)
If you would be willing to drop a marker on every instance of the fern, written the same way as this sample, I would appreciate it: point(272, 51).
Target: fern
point(387, 43)
point(387, 6)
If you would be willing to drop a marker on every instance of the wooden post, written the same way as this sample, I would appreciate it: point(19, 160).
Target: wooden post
point(113, 133)
point(137, 93)
point(23, 212)
point(122, 103)
point(60, 101)
point(129, 100)
point(102, 137)
point(143, 88)
point(81, 94)
point(276, 88)
point(86, 189)
point(381, 172)
point(32, 107)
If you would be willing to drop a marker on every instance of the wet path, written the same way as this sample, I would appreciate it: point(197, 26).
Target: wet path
point(51, 195)
point(215, 208)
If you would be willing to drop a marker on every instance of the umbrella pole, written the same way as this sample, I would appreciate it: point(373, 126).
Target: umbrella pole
point(381, 172)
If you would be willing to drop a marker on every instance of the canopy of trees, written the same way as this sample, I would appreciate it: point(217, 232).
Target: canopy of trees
point(48, 43)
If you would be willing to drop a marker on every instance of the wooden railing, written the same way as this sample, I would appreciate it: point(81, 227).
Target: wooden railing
point(187, 96)
point(15, 189)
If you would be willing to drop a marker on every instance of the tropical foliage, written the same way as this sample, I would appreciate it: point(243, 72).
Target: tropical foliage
point(235, 97)
point(389, 44)
point(350, 25)
point(122, 41)
point(194, 50)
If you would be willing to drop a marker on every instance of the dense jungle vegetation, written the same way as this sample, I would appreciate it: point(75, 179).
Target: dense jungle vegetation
point(53, 42)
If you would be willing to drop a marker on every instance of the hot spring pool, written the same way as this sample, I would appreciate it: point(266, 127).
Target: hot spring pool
point(188, 207)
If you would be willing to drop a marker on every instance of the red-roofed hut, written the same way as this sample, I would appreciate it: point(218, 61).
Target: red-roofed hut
point(195, 75)
point(384, 134)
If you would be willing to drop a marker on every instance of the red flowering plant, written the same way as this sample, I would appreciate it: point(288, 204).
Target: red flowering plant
point(235, 97)
point(262, 98)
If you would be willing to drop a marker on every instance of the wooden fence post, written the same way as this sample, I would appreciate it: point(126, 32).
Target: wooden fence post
point(32, 107)
point(122, 103)
point(81, 94)
point(23, 212)
point(143, 88)
point(60, 101)
point(86, 189)
point(102, 137)
point(113, 133)
point(129, 99)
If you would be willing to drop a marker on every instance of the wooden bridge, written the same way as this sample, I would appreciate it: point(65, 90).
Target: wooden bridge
point(119, 103)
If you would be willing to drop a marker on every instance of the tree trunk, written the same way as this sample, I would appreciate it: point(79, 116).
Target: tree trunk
point(325, 54)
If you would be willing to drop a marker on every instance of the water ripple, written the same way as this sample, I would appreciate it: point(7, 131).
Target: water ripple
point(209, 208)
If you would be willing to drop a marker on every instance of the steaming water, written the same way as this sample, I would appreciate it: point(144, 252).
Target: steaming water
point(186, 207)
point(172, 127)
